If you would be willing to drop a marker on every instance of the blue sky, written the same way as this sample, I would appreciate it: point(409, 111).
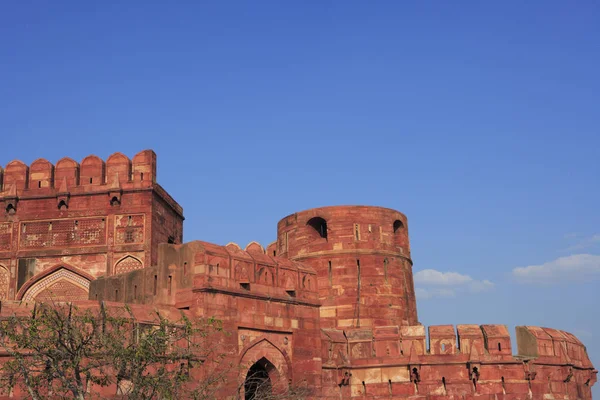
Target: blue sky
point(478, 120)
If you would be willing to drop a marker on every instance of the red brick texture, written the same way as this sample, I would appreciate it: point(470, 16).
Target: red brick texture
point(362, 259)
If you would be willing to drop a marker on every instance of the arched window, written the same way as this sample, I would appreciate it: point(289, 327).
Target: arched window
point(398, 226)
point(319, 225)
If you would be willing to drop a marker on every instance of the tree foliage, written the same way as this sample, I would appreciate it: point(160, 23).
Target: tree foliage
point(61, 350)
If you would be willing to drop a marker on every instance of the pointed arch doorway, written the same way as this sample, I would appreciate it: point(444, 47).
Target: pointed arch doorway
point(259, 380)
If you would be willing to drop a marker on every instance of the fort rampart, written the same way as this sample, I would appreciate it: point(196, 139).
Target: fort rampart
point(330, 304)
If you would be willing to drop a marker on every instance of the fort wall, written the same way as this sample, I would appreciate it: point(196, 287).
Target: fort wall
point(455, 363)
point(329, 305)
point(269, 303)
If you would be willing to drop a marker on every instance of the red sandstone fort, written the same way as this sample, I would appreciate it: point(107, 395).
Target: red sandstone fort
point(331, 302)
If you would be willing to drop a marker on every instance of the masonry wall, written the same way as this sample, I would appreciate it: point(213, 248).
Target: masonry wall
point(362, 258)
point(270, 304)
point(469, 362)
point(97, 218)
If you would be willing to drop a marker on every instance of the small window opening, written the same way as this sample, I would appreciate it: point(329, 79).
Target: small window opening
point(134, 292)
point(170, 285)
point(171, 240)
point(116, 294)
point(390, 386)
point(499, 347)
point(39, 184)
point(385, 270)
point(217, 268)
point(62, 206)
point(319, 225)
point(330, 272)
point(444, 383)
point(141, 176)
point(96, 296)
point(114, 201)
point(91, 180)
point(274, 253)
point(415, 375)
point(364, 387)
point(291, 293)
point(184, 308)
point(356, 232)
point(49, 226)
point(185, 268)
point(443, 347)
point(245, 286)
point(10, 209)
point(398, 225)
point(155, 289)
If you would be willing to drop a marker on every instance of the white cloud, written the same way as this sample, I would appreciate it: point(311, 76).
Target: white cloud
point(432, 283)
point(570, 268)
point(433, 277)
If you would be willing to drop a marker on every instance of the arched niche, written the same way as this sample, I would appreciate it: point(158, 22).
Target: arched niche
point(128, 264)
point(60, 283)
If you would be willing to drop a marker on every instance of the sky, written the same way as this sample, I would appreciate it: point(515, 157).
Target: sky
point(478, 120)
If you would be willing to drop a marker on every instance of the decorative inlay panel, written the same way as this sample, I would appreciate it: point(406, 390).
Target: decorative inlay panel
point(4, 280)
point(129, 229)
point(127, 264)
point(63, 291)
point(76, 284)
point(63, 232)
point(5, 235)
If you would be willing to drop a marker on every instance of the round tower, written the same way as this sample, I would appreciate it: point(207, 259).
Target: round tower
point(362, 258)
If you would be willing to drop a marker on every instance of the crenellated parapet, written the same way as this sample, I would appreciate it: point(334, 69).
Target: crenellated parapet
point(93, 173)
point(68, 178)
point(206, 267)
point(468, 360)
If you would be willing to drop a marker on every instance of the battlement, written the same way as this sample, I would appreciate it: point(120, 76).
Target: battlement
point(468, 359)
point(119, 174)
point(42, 177)
point(200, 266)
point(463, 342)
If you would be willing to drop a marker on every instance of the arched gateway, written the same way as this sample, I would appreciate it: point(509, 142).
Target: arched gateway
point(258, 384)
